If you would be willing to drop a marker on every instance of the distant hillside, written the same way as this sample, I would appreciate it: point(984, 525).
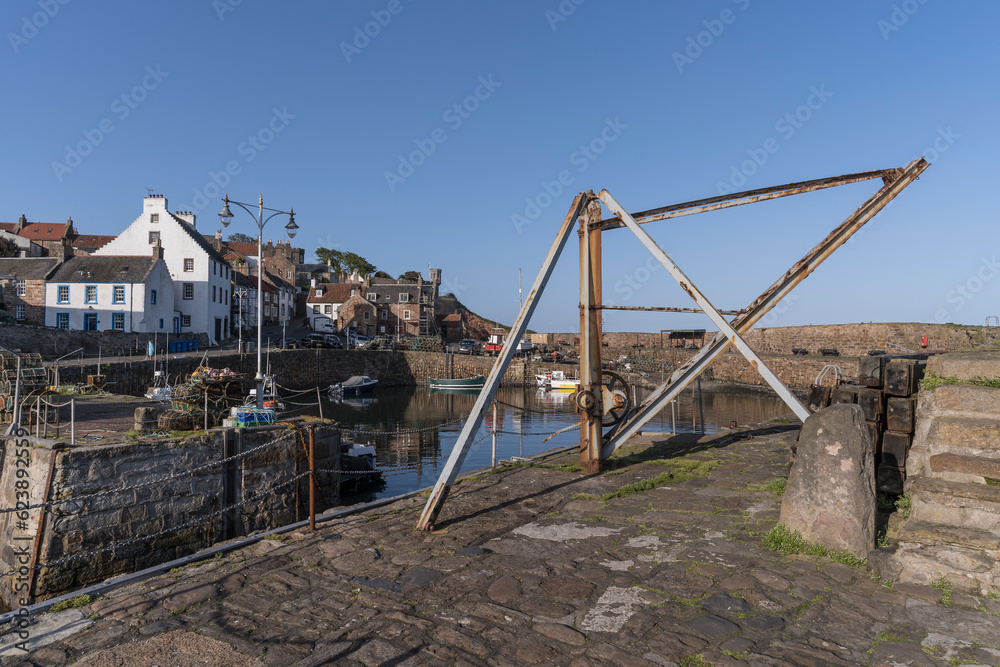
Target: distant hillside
point(475, 326)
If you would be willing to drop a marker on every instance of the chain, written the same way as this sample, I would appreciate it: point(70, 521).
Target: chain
point(401, 431)
point(189, 524)
point(98, 494)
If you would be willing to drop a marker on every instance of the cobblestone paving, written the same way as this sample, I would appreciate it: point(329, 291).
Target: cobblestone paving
point(527, 566)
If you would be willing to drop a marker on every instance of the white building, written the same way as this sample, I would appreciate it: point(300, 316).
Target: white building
point(324, 301)
point(111, 293)
point(202, 278)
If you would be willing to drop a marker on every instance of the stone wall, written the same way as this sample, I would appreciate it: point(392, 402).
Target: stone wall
point(144, 489)
point(52, 343)
point(848, 339)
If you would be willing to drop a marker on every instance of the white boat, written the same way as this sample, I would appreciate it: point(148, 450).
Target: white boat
point(543, 379)
point(353, 385)
point(559, 382)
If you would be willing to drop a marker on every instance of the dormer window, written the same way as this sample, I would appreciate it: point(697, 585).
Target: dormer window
point(372, 296)
point(404, 297)
point(319, 291)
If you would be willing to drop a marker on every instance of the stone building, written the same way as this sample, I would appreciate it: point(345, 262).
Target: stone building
point(49, 235)
point(22, 281)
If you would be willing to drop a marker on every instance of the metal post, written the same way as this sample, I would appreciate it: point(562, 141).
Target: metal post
point(72, 421)
point(475, 419)
point(206, 410)
point(494, 434)
point(319, 402)
point(673, 417)
point(16, 414)
point(591, 426)
point(312, 478)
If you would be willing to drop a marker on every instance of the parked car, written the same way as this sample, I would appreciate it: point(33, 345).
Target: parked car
point(323, 325)
point(468, 346)
point(288, 344)
point(318, 340)
point(359, 341)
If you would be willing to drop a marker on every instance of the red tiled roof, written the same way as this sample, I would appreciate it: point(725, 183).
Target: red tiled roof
point(7, 226)
point(93, 241)
point(332, 293)
point(245, 249)
point(45, 231)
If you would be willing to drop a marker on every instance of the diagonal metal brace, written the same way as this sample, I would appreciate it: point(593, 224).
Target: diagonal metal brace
point(666, 392)
point(724, 327)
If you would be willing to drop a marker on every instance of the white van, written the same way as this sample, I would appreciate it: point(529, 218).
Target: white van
point(323, 325)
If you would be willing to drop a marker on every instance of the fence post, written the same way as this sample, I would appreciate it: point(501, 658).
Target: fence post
point(319, 402)
point(72, 421)
point(206, 411)
point(494, 434)
point(312, 478)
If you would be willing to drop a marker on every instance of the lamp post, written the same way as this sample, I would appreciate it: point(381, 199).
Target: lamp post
point(240, 293)
point(226, 216)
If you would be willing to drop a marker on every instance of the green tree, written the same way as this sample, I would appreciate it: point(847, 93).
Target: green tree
point(332, 258)
point(239, 237)
point(410, 275)
point(381, 274)
point(343, 261)
point(8, 248)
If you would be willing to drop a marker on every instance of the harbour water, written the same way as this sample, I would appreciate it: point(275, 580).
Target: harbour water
point(414, 429)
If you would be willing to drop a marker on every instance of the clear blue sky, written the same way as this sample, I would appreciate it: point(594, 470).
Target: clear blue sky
point(331, 113)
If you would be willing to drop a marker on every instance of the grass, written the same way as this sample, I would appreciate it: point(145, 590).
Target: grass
point(73, 603)
point(681, 471)
point(776, 488)
point(694, 661)
point(789, 542)
point(932, 381)
point(945, 587)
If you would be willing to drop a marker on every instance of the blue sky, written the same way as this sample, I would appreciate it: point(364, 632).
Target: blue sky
point(436, 136)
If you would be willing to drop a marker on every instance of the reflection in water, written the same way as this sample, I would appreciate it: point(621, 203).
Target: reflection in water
point(415, 429)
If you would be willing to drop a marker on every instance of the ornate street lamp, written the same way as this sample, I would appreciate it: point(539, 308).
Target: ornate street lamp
point(226, 216)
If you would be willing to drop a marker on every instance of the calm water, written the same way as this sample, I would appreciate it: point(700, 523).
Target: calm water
point(416, 429)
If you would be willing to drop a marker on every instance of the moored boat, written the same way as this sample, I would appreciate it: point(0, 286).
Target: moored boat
point(476, 382)
point(559, 382)
point(353, 385)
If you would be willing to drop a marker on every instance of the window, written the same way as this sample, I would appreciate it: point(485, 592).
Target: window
point(185, 320)
point(213, 267)
point(63, 296)
point(19, 311)
point(118, 321)
point(62, 320)
point(154, 237)
point(385, 315)
point(154, 217)
point(20, 287)
point(227, 297)
point(152, 299)
point(188, 264)
point(367, 316)
point(327, 309)
point(352, 291)
point(372, 296)
point(406, 314)
point(119, 294)
point(188, 290)
point(90, 294)
point(213, 293)
point(315, 310)
point(404, 298)
point(288, 275)
point(161, 322)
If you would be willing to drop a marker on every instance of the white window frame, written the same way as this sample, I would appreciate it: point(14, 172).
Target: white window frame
point(188, 262)
point(116, 320)
point(19, 311)
point(21, 288)
point(186, 288)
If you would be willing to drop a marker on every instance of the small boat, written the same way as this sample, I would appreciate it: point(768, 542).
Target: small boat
point(271, 399)
point(559, 382)
point(543, 379)
point(476, 382)
point(353, 385)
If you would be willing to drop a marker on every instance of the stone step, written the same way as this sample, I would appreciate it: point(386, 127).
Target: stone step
point(966, 365)
point(957, 504)
point(968, 400)
point(959, 435)
point(967, 558)
point(964, 468)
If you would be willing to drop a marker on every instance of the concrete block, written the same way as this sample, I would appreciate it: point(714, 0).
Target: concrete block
point(819, 398)
point(844, 394)
point(902, 376)
point(870, 370)
point(966, 365)
point(871, 403)
point(895, 446)
point(901, 413)
point(890, 479)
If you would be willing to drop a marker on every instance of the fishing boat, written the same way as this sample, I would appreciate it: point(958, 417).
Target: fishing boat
point(476, 382)
point(271, 399)
point(353, 385)
point(543, 379)
point(559, 382)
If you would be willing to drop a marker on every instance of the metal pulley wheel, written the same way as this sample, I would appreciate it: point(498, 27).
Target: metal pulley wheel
point(585, 400)
point(617, 390)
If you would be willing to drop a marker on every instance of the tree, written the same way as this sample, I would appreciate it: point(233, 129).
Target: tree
point(343, 261)
point(410, 275)
point(8, 248)
point(239, 237)
point(381, 274)
point(331, 258)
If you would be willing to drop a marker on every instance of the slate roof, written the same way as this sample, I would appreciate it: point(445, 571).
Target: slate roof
point(28, 268)
point(311, 268)
point(332, 293)
point(92, 241)
point(104, 269)
point(391, 291)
